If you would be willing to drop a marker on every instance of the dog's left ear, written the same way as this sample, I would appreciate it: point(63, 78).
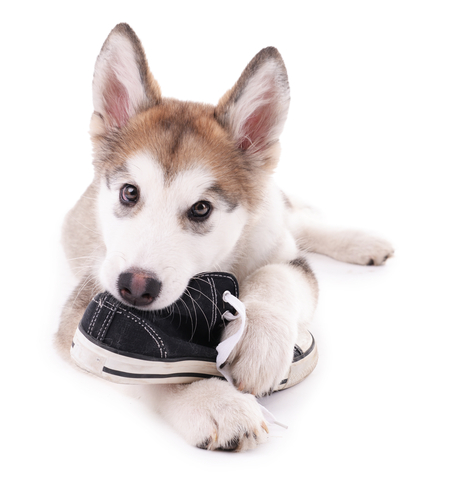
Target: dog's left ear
point(122, 85)
point(255, 109)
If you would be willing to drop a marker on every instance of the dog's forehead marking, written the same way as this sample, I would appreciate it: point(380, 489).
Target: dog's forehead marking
point(173, 133)
point(185, 185)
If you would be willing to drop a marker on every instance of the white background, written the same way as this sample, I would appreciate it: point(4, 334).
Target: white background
point(368, 142)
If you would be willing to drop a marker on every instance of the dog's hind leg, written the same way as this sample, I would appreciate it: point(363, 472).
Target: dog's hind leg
point(347, 245)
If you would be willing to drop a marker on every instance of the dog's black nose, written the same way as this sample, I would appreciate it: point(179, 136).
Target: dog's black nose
point(138, 287)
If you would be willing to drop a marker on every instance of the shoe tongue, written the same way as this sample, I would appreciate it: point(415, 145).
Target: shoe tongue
point(198, 315)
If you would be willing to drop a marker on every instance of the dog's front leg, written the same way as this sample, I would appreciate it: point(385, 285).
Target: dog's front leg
point(212, 414)
point(280, 300)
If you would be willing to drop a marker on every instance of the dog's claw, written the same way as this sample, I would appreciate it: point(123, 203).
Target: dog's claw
point(264, 426)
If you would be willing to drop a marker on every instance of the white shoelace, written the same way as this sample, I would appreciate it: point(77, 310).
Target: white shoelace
point(225, 348)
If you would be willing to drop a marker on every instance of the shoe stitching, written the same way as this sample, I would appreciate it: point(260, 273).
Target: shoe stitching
point(109, 314)
point(119, 310)
point(107, 323)
point(228, 277)
point(107, 305)
point(95, 316)
point(161, 346)
point(147, 328)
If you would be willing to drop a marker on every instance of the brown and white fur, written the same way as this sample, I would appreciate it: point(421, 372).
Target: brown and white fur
point(177, 154)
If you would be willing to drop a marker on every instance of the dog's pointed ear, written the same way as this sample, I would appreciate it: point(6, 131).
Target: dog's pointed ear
point(122, 85)
point(255, 109)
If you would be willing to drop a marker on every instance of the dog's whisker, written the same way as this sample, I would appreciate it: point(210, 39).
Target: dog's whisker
point(193, 302)
point(189, 314)
point(88, 228)
point(209, 299)
point(169, 310)
point(174, 313)
point(90, 279)
point(200, 308)
point(92, 257)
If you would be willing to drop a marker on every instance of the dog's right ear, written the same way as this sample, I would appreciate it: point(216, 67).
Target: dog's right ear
point(123, 85)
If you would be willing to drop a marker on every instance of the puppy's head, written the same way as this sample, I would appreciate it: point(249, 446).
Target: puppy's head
point(179, 182)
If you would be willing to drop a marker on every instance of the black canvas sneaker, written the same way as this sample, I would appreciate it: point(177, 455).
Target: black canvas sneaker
point(174, 345)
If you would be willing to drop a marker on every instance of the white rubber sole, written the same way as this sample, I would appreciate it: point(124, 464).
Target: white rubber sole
point(299, 370)
point(127, 370)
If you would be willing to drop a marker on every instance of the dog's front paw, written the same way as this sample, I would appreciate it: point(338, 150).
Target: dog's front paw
point(213, 415)
point(261, 359)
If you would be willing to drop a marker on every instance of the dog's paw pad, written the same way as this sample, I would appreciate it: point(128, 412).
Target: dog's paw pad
point(223, 418)
point(244, 440)
point(364, 249)
point(381, 255)
point(231, 445)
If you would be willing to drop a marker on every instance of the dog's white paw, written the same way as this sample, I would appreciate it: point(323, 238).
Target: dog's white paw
point(213, 415)
point(358, 247)
point(261, 359)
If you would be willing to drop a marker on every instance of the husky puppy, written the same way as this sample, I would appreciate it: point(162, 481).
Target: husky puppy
point(182, 188)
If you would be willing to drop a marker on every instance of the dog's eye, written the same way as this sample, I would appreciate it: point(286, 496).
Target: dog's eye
point(200, 210)
point(129, 194)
